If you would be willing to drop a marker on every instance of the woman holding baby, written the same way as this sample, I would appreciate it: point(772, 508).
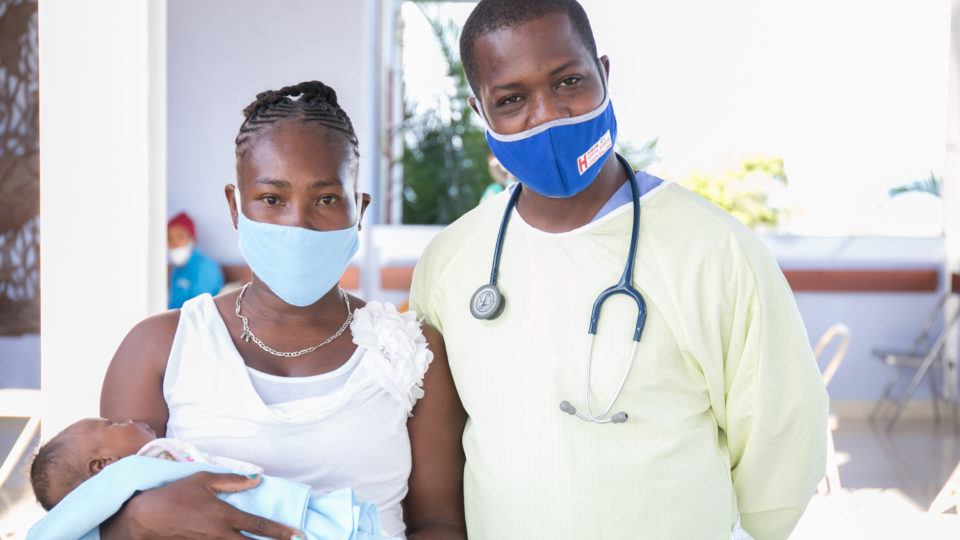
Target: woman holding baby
point(290, 372)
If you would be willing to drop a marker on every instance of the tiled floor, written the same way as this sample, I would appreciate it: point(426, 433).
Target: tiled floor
point(889, 481)
point(916, 458)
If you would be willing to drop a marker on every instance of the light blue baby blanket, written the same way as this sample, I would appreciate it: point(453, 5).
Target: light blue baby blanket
point(336, 516)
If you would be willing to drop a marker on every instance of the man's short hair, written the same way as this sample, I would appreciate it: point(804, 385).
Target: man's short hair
point(492, 15)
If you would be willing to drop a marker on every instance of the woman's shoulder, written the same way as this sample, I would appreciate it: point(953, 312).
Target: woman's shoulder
point(149, 343)
point(151, 339)
point(133, 382)
point(397, 347)
point(155, 331)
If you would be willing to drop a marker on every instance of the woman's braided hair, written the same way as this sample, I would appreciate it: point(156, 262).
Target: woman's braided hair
point(310, 101)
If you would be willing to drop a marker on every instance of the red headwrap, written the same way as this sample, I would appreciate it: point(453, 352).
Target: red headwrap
point(183, 220)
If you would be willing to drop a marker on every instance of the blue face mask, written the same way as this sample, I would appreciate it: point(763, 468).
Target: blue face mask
point(298, 265)
point(559, 158)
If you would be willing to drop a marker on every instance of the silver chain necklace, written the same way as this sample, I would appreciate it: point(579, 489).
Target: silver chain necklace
point(247, 335)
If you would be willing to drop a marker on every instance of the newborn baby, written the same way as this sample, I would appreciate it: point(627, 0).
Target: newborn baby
point(76, 455)
point(86, 447)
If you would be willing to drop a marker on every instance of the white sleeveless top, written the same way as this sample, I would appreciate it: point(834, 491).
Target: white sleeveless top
point(353, 437)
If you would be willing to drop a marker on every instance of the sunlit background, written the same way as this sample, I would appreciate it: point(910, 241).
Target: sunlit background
point(851, 96)
point(830, 127)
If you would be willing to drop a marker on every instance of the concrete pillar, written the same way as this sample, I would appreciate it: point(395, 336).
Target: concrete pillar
point(102, 190)
point(951, 185)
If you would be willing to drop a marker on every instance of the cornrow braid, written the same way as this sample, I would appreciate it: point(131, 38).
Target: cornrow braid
point(314, 102)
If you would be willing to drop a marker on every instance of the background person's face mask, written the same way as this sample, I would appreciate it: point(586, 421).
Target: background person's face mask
point(299, 265)
point(179, 256)
point(559, 158)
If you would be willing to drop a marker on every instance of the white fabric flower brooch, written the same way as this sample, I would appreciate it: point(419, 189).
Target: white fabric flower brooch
point(397, 338)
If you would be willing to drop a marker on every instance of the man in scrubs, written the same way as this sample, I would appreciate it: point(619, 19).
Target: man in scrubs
point(192, 273)
point(726, 411)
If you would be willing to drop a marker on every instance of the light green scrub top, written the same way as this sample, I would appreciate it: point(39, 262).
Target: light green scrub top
point(727, 410)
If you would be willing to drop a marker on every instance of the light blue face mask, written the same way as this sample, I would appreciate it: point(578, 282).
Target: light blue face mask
point(298, 265)
point(559, 158)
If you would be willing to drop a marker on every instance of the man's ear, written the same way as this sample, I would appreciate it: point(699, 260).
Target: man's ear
point(473, 104)
point(605, 61)
point(365, 201)
point(231, 202)
point(97, 464)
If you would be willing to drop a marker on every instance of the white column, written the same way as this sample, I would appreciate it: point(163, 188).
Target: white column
point(102, 190)
point(392, 64)
point(951, 184)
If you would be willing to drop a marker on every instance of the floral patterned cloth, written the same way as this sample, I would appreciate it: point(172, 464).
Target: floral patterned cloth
point(184, 452)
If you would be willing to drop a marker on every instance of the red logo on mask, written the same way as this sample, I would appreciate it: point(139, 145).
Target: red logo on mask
point(595, 152)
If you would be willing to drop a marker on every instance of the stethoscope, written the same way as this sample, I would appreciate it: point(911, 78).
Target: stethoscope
point(487, 303)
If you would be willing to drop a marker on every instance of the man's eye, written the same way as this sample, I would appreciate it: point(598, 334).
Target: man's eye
point(570, 81)
point(328, 200)
point(271, 200)
point(509, 100)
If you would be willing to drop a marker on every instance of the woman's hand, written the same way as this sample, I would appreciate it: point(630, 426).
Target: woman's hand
point(188, 509)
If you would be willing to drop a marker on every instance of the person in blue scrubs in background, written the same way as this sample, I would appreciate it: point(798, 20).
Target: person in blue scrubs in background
point(192, 272)
point(500, 175)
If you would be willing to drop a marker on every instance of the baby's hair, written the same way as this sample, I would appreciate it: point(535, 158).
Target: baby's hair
point(316, 102)
point(51, 473)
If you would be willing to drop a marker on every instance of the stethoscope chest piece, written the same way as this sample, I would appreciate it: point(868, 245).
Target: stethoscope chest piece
point(487, 302)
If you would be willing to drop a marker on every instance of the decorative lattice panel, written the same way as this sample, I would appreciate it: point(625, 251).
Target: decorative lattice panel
point(19, 169)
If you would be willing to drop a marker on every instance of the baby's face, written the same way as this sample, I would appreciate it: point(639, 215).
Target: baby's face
point(116, 439)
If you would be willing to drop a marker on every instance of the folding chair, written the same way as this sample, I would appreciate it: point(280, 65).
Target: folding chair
point(928, 348)
point(839, 331)
point(18, 403)
point(949, 496)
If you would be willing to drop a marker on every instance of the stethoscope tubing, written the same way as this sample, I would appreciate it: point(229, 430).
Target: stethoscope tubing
point(624, 286)
point(511, 204)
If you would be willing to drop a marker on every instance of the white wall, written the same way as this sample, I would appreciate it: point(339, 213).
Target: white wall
point(101, 191)
point(876, 321)
point(221, 53)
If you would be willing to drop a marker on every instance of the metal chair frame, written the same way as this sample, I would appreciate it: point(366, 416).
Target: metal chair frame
point(831, 480)
point(18, 403)
point(921, 358)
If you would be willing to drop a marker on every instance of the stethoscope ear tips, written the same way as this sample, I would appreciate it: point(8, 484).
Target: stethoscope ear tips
point(568, 408)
